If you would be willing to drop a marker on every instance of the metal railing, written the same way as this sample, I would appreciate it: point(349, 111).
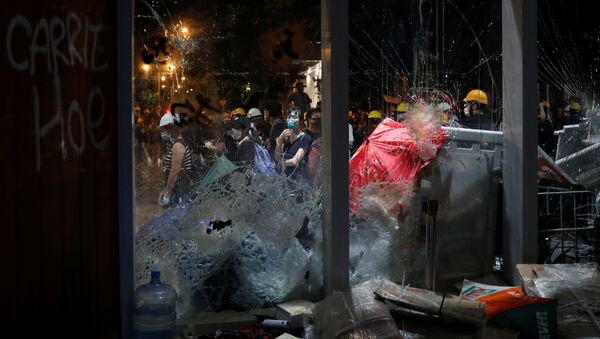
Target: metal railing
point(568, 225)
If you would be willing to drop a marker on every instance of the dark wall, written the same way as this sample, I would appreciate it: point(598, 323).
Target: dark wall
point(58, 177)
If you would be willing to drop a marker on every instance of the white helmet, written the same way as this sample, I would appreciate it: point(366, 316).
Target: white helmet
point(254, 112)
point(443, 106)
point(166, 119)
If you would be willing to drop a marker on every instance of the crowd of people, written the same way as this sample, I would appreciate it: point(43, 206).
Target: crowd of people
point(186, 139)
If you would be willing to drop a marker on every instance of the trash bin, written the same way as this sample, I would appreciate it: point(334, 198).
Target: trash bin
point(465, 180)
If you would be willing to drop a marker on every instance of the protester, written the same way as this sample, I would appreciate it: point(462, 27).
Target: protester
point(291, 149)
point(300, 99)
point(476, 103)
point(313, 119)
point(273, 110)
point(178, 164)
point(258, 125)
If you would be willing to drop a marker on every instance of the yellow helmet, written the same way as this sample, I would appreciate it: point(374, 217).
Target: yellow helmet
point(375, 115)
point(239, 111)
point(574, 107)
point(402, 107)
point(477, 95)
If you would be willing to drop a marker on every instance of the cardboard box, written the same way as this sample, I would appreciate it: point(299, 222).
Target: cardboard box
point(293, 311)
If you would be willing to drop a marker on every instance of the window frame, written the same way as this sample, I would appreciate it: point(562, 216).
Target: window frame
point(519, 36)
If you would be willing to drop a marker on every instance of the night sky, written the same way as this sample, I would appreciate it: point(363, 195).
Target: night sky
point(458, 44)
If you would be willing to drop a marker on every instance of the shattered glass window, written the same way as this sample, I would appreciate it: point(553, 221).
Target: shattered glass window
point(227, 151)
point(426, 107)
point(568, 131)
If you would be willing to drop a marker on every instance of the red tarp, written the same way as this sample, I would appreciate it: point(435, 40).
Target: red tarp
point(391, 155)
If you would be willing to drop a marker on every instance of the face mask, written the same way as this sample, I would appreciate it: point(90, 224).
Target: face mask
point(236, 134)
point(291, 124)
point(165, 137)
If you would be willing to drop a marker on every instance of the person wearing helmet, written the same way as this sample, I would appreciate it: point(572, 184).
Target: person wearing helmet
point(239, 112)
point(476, 103)
point(447, 116)
point(574, 114)
point(373, 119)
point(401, 110)
point(240, 128)
point(254, 113)
point(178, 161)
point(258, 125)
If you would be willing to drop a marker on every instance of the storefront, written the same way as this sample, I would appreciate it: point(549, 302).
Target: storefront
point(453, 203)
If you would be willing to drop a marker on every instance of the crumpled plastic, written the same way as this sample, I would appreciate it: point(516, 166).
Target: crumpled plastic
point(352, 314)
point(577, 287)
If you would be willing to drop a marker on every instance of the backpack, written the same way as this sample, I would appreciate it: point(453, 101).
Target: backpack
point(262, 161)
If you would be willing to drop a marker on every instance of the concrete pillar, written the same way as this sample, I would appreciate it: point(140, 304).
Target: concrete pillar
point(519, 94)
point(334, 55)
point(125, 160)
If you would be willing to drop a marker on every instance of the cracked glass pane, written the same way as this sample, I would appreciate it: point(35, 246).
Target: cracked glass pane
point(568, 132)
point(426, 108)
point(227, 151)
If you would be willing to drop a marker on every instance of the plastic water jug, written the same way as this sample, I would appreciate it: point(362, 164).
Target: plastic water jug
point(154, 310)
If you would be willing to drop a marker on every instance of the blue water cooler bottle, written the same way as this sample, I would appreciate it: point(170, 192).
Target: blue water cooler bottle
point(154, 310)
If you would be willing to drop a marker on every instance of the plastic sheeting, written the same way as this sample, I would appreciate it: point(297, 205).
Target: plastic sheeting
point(352, 314)
point(577, 288)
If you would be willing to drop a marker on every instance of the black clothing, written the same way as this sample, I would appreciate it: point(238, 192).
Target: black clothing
point(246, 150)
point(261, 130)
point(304, 142)
point(478, 121)
point(546, 138)
point(278, 127)
point(313, 135)
point(301, 100)
point(230, 148)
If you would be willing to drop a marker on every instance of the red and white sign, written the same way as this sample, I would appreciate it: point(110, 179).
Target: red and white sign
point(547, 169)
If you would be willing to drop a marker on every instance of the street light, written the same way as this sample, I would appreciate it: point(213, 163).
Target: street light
point(146, 68)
